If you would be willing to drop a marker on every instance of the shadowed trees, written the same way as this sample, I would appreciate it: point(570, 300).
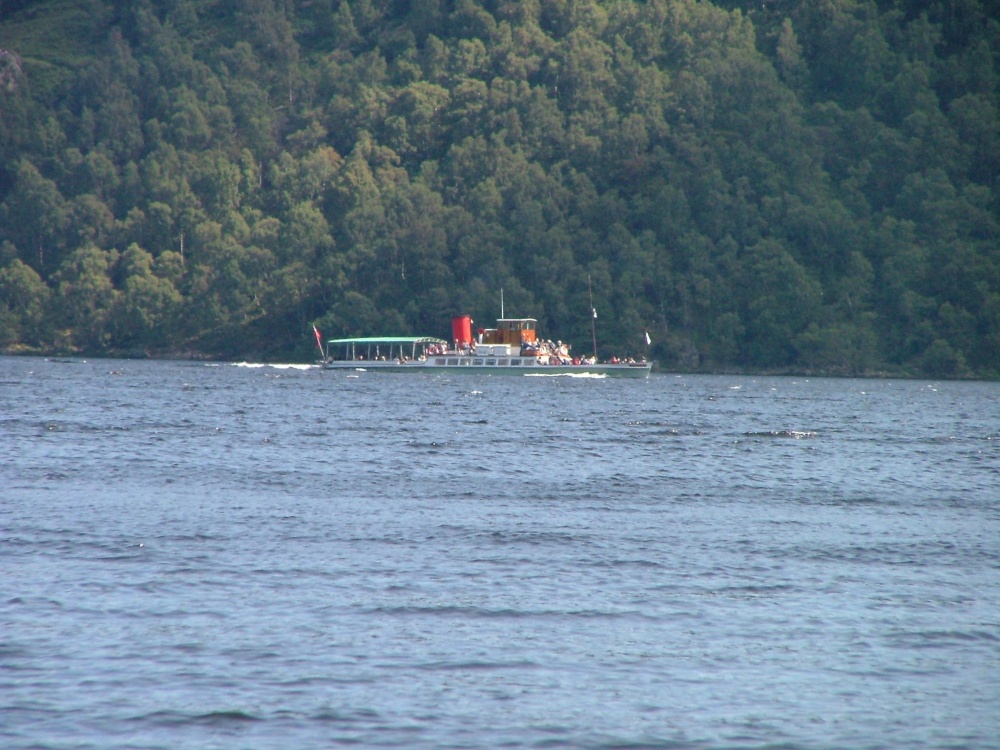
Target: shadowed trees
point(784, 186)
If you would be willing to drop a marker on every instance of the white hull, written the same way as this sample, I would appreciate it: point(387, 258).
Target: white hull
point(493, 366)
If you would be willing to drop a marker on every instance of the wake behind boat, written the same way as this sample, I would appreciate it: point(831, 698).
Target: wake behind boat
point(512, 348)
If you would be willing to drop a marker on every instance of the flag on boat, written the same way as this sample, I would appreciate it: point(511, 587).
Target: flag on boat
point(593, 311)
point(319, 339)
point(648, 342)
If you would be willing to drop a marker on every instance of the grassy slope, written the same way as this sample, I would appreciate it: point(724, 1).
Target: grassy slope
point(53, 39)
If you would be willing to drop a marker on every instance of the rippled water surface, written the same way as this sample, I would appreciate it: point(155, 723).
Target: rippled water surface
point(197, 556)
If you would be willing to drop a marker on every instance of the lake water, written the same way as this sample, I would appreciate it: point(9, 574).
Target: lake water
point(212, 555)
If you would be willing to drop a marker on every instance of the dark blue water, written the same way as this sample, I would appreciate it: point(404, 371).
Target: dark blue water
point(200, 556)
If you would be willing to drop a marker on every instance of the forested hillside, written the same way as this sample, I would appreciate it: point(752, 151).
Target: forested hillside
point(802, 186)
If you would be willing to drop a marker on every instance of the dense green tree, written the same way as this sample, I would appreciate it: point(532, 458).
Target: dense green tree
point(147, 311)
point(24, 305)
point(779, 186)
point(35, 216)
point(86, 297)
point(780, 302)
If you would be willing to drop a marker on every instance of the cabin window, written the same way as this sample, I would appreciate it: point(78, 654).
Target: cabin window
point(491, 363)
point(452, 362)
point(477, 362)
point(440, 361)
point(503, 362)
point(515, 363)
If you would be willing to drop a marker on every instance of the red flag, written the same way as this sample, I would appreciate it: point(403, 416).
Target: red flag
point(319, 339)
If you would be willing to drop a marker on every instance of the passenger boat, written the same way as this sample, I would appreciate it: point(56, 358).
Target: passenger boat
point(512, 348)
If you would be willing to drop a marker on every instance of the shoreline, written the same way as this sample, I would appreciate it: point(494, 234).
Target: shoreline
point(192, 355)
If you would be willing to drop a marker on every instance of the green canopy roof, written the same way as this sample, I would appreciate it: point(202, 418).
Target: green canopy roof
point(390, 340)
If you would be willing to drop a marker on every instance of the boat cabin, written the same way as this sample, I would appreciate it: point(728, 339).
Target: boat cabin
point(515, 332)
point(384, 348)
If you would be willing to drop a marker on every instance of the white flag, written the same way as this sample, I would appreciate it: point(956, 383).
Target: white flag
point(648, 342)
point(594, 311)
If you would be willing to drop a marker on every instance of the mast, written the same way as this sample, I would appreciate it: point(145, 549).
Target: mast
point(593, 316)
